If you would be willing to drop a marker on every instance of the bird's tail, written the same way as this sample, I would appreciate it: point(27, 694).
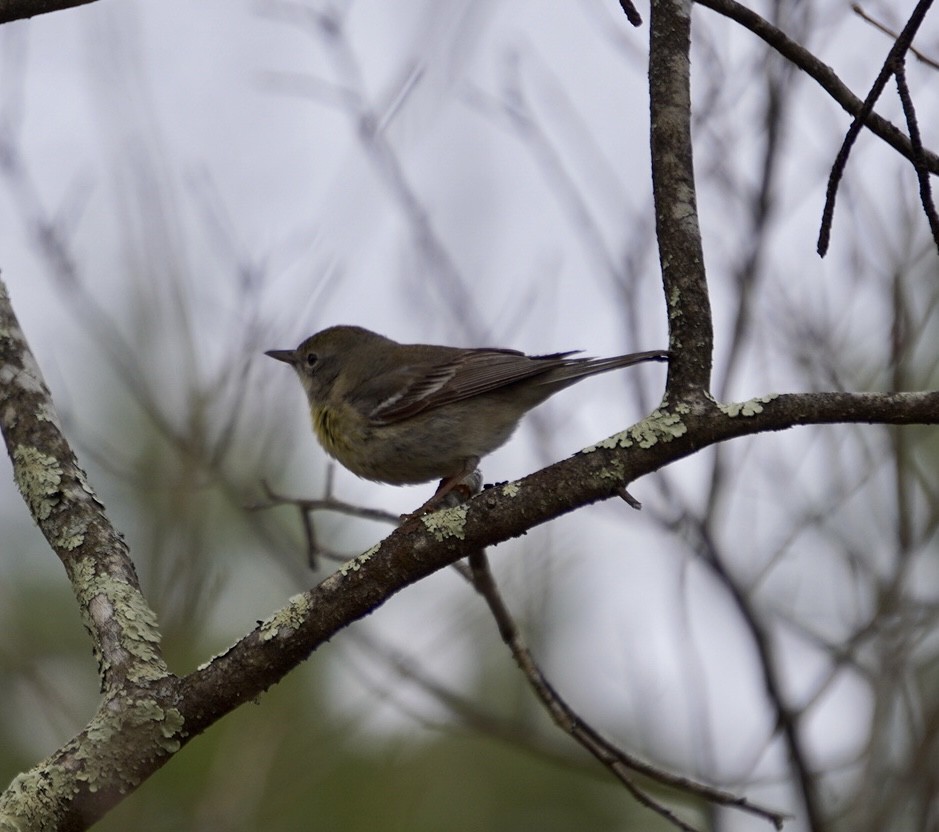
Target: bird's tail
point(573, 369)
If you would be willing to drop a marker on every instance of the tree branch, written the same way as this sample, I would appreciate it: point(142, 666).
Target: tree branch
point(409, 554)
point(822, 73)
point(621, 764)
point(11, 10)
point(892, 61)
point(920, 56)
point(121, 624)
point(148, 714)
point(135, 726)
point(691, 337)
point(922, 175)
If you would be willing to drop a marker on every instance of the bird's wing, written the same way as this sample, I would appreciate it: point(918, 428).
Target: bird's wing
point(471, 373)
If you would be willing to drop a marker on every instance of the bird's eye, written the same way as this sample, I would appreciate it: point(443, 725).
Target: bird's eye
point(311, 359)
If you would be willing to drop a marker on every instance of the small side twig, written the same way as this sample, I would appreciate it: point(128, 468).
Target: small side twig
point(468, 487)
point(325, 504)
point(628, 498)
point(920, 56)
point(307, 506)
point(631, 12)
point(617, 761)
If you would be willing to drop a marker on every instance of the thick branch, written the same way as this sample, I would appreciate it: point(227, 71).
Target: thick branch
point(410, 554)
point(136, 726)
point(63, 504)
point(691, 338)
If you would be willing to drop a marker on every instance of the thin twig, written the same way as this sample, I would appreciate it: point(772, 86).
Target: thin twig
point(922, 175)
point(817, 69)
point(631, 12)
point(786, 719)
point(899, 48)
point(856, 8)
point(617, 761)
point(628, 498)
point(306, 507)
point(327, 503)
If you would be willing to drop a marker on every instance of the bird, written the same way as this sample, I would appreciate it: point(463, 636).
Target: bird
point(405, 414)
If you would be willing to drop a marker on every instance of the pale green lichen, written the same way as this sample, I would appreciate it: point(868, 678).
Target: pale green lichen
point(82, 478)
point(172, 728)
point(449, 522)
point(141, 635)
point(44, 413)
point(615, 471)
point(108, 601)
point(38, 477)
point(748, 408)
point(103, 748)
point(511, 489)
point(658, 426)
point(34, 800)
point(83, 575)
point(207, 663)
point(287, 619)
point(167, 722)
point(357, 562)
point(71, 536)
point(674, 303)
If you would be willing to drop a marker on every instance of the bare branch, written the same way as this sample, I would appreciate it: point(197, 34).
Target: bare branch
point(896, 53)
point(64, 506)
point(856, 8)
point(11, 10)
point(922, 175)
point(135, 729)
point(615, 759)
point(631, 12)
point(691, 336)
point(821, 72)
point(307, 506)
point(151, 724)
point(444, 537)
point(787, 720)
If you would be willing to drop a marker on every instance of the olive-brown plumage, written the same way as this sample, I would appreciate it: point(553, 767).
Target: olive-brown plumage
point(411, 413)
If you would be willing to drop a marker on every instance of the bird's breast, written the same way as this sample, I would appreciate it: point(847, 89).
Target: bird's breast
point(329, 432)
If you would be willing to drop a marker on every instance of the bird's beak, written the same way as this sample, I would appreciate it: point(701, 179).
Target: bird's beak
point(287, 356)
